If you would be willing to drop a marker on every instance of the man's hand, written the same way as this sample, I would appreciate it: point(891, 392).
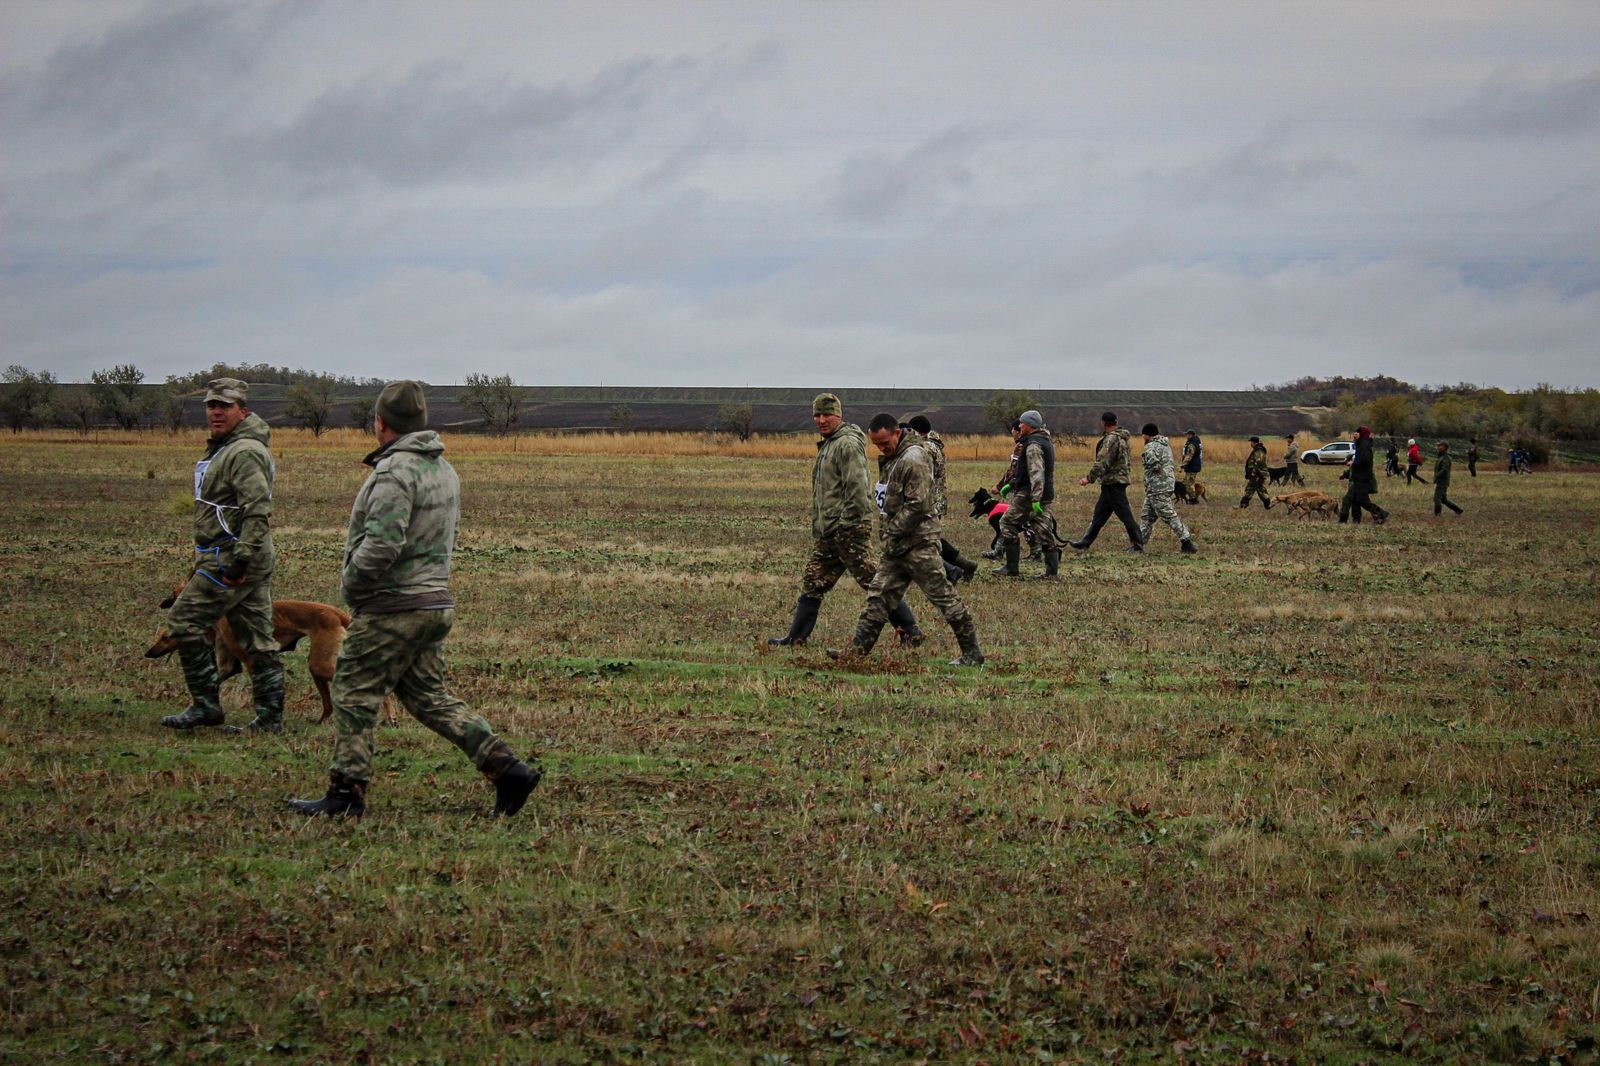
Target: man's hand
point(1005, 490)
point(1083, 481)
point(1038, 508)
point(233, 576)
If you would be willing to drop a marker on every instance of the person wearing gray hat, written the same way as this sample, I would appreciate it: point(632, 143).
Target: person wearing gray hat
point(1029, 504)
point(1111, 470)
point(396, 580)
point(234, 561)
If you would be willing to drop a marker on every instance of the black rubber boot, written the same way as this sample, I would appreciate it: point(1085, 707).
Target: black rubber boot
point(967, 638)
point(200, 675)
point(1013, 559)
point(1052, 564)
point(805, 620)
point(905, 625)
point(513, 779)
point(968, 568)
point(346, 798)
point(1187, 546)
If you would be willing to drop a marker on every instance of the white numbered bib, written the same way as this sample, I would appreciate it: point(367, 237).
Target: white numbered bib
point(881, 492)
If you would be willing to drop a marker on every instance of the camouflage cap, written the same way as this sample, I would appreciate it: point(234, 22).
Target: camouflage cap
point(227, 390)
point(827, 404)
point(402, 406)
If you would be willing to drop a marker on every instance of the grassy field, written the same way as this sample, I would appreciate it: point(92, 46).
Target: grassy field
point(1321, 793)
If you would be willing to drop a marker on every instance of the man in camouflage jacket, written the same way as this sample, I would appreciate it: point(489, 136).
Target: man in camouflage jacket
point(1110, 469)
point(1031, 501)
point(1158, 490)
point(1193, 460)
point(1255, 474)
point(396, 579)
point(909, 537)
point(956, 568)
point(841, 523)
point(232, 578)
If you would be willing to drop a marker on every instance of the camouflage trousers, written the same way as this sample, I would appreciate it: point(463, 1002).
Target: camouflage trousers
point(403, 654)
point(248, 609)
point(847, 551)
point(922, 566)
point(1158, 504)
point(1020, 514)
point(1255, 486)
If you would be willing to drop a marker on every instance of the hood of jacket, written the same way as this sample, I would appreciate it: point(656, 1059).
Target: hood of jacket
point(422, 442)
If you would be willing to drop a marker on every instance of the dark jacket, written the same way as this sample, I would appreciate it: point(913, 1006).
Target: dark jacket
point(1362, 478)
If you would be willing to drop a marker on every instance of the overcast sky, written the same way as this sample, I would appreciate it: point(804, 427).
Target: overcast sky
point(1042, 195)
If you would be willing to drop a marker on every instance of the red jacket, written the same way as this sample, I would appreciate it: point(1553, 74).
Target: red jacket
point(1414, 454)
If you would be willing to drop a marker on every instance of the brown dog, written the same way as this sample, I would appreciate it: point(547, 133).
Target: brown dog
point(1181, 491)
point(292, 622)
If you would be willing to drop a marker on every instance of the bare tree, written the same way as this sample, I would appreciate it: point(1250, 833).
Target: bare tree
point(360, 411)
point(28, 397)
point(621, 416)
point(1002, 408)
point(122, 394)
point(310, 403)
point(496, 400)
point(736, 418)
point(79, 409)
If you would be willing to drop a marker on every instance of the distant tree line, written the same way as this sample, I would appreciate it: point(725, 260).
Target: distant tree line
point(1534, 419)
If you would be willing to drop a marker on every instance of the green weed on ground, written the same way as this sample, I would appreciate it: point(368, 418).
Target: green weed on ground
point(1320, 793)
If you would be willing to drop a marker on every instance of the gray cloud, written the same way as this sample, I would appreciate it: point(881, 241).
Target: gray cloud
point(873, 186)
point(1509, 106)
point(1258, 173)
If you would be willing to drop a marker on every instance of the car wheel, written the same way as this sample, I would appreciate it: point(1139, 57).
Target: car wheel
point(1310, 460)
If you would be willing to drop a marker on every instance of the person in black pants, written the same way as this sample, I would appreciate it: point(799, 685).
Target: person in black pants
point(1472, 457)
point(1363, 483)
point(1111, 471)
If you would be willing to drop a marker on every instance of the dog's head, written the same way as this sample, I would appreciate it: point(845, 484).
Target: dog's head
point(982, 503)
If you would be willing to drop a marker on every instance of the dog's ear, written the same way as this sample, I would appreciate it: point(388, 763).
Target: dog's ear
point(163, 647)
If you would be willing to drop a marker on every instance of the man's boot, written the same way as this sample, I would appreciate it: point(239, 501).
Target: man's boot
point(969, 569)
point(266, 690)
point(1052, 564)
point(1187, 546)
point(513, 779)
point(805, 620)
point(966, 633)
point(1013, 559)
point(953, 573)
point(905, 625)
point(200, 675)
point(346, 798)
point(861, 644)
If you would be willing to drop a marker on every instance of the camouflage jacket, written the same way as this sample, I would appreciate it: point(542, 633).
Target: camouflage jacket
point(1441, 469)
point(841, 486)
point(233, 498)
point(1255, 465)
point(908, 518)
point(1111, 459)
point(403, 528)
point(941, 498)
point(1158, 475)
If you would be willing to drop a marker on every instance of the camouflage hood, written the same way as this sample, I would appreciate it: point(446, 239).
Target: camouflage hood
point(841, 486)
point(403, 526)
point(1111, 459)
point(1158, 463)
point(233, 497)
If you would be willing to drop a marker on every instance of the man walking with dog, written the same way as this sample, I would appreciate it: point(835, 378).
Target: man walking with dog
point(1033, 491)
point(1255, 474)
point(1158, 482)
point(910, 541)
point(1193, 460)
point(841, 523)
point(232, 577)
point(1111, 470)
point(396, 580)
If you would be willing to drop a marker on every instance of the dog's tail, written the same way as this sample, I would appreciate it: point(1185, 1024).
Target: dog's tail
point(344, 619)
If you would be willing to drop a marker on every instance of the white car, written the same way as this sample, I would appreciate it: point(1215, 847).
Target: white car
point(1337, 454)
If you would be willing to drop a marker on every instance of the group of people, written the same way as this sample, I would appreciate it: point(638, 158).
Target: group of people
point(395, 577)
point(403, 525)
